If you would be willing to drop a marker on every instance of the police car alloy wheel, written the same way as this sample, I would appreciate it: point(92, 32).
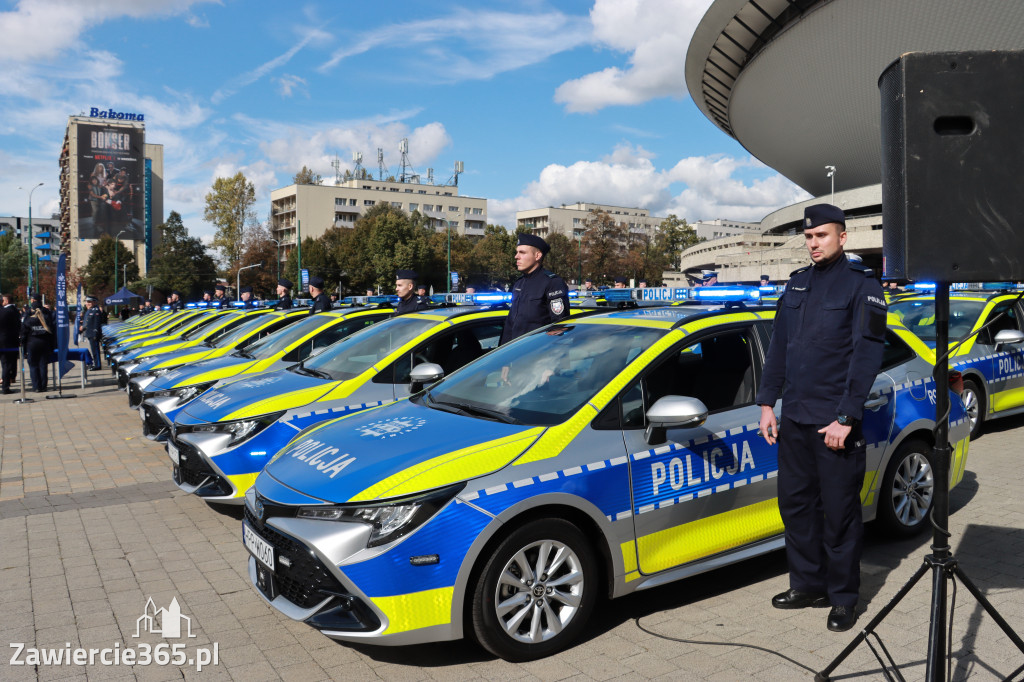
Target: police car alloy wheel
point(536, 592)
point(908, 489)
point(973, 397)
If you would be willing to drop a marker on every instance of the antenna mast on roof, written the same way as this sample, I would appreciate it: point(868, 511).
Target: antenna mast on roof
point(407, 174)
point(336, 165)
point(357, 161)
point(459, 168)
point(381, 168)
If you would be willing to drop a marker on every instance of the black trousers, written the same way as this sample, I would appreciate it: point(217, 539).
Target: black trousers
point(94, 348)
point(819, 498)
point(8, 368)
point(38, 357)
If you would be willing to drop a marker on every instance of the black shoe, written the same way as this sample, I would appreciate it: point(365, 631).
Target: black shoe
point(842, 618)
point(795, 599)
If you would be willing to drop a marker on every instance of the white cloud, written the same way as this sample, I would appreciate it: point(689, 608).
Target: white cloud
point(655, 34)
point(695, 188)
point(308, 35)
point(290, 83)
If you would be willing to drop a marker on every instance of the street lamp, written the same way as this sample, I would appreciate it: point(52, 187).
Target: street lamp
point(832, 175)
point(30, 234)
point(238, 280)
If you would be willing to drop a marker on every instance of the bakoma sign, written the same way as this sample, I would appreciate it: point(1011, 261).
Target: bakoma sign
point(117, 115)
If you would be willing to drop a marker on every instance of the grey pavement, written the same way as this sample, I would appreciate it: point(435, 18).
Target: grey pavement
point(91, 526)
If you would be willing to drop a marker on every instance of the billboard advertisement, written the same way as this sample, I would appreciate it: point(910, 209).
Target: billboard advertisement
point(111, 181)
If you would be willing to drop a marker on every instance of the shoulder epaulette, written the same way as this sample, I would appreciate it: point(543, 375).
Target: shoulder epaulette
point(550, 274)
point(799, 270)
point(860, 267)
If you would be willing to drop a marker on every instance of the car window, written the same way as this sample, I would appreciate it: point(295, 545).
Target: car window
point(919, 317)
point(1005, 316)
point(329, 337)
point(896, 351)
point(452, 350)
point(355, 354)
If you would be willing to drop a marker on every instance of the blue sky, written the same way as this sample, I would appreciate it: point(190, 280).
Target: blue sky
point(545, 102)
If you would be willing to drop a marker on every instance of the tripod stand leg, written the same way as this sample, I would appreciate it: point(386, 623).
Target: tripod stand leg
point(823, 676)
point(987, 605)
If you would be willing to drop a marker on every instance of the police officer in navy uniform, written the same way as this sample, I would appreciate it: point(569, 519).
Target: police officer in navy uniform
point(175, 301)
point(405, 287)
point(321, 302)
point(284, 301)
point(10, 337)
point(207, 300)
point(826, 349)
point(539, 297)
point(37, 334)
point(219, 297)
point(246, 298)
point(90, 325)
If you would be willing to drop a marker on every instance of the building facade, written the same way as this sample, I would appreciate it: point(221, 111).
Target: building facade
point(111, 183)
point(718, 228)
point(570, 220)
point(316, 208)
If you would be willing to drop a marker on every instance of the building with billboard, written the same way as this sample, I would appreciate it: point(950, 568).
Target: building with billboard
point(316, 208)
point(570, 219)
point(796, 83)
point(111, 183)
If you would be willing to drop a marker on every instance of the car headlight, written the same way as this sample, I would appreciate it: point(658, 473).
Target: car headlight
point(239, 430)
point(183, 394)
point(389, 520)
point(128, 369)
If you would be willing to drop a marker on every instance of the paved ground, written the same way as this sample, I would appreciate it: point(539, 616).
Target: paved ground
point(91, 527)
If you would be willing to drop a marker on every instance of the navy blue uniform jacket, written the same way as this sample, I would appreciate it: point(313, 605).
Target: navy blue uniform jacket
point(538, 299)
point(410, 305)
point(321, 304)
point(827, 343)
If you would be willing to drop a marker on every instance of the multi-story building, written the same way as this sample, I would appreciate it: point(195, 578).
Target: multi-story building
point(315, 208)
point(718, 228)
point(570, 220)
point(111, 183)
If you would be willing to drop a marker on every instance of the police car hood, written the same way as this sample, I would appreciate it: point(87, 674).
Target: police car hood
point(196, 372)
point(256, 395)
point(394, 451)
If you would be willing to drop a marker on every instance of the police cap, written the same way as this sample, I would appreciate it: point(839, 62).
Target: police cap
point(317, 282)
point(406, 274)
point(286, 283)
point(620, 280)
point(220, 287)
point(822, 214)
point(245, 290)
point(708, 275)
point(91, 298)
point(176, 293)
point(527, 239)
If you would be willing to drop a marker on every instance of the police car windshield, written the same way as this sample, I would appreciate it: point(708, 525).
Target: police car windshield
point(203, 327)
point(544, 378)
point(355, 354)
point(239, 332)
point(279, 341)
point(919, 317)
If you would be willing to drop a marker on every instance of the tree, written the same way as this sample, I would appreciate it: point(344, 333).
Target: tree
point(563, 259)
point(229, 207)
point(306, 176)
point(675, 236)
point(603, 244)
point(13, 263)
point(99, 271)
point(493, 257)
point(181, 262)
point(258, 249)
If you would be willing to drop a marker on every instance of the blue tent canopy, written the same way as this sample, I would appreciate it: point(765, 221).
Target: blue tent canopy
point(122, 297)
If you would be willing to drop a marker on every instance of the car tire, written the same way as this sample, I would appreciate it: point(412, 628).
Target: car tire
point(521, 616)
point(974, 405)
point(908, 489)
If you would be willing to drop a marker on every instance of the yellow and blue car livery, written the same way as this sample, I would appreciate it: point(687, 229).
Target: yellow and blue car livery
point(602, 455)
point(209, 332)
point(154, 321)
point(257, 324)
point(992, 359)
point(133, 323)
point(222, 439)
point(168, 393)
point(188, 321)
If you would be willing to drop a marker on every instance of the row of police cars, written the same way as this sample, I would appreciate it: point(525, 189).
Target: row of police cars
point(405, 480)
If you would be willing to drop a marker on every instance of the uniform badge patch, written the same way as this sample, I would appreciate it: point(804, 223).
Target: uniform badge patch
point(557, 306)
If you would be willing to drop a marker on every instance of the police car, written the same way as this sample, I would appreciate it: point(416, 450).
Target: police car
point(167, 393)
point(257, 325)
point(599, 456)
point(187, 322)
point(991, 362)
point(221, 440)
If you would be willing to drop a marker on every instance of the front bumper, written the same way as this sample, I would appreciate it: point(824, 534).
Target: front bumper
point(194, 471)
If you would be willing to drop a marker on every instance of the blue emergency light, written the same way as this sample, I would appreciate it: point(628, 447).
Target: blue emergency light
point(618, 295)
point(720, 294)
point(190, 305)
point(382, 299)
point(484, 299)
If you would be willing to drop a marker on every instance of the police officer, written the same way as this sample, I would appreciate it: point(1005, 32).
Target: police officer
point(207, 300)
point(284, 299)
point(539, 297)
point(147, 308)
point(825, 351)
point(90, 325)
point(37, 334)
point(175, 301)
point(321, 302)
point(620, 282)
point(246, 297)
point(408, 300)
point(219, 297)
point(10, 333)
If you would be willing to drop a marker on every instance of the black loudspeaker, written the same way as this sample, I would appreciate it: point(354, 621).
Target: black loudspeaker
point(953, 166)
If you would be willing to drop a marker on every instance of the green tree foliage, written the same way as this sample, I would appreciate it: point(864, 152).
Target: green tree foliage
point(259, 250)
point(675, 236)
point(99, 271)
point(181, 262)
point(13, 265)
point(306, 176)
point(603, 247)
point(563, 259)
point(493, 257)
point(229, 207)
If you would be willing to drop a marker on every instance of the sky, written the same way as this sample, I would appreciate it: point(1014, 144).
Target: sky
point(545, 102)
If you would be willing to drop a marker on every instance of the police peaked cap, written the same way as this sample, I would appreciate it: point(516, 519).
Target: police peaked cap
point(176, 293)
point(286, 283)
point(822, 214)
point(709, 275)
point(220, 287)
point(245, 290)
point(317, 282)
point(406, 274)
point(620, 280)
point(91, 298)
point(527, 239)
point(207, 292)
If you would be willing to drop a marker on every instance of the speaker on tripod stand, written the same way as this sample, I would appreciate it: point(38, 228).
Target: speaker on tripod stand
point(952, 211)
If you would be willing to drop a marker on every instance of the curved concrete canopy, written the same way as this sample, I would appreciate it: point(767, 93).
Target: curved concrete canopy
point(803, 88)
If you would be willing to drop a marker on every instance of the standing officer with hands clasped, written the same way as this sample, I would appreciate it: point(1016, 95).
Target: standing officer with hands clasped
point(539, 297)
point(90, 325)
point(825, 351)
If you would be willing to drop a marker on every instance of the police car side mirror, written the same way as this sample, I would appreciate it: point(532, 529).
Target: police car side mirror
point(1008, 336)
point(424, 373)
point(673, 411)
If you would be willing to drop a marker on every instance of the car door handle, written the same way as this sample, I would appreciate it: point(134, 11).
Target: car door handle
point(875, 401)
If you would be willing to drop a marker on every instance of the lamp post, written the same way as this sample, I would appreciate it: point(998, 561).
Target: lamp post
point(448, 275)
point(30, 234)
point(832, 175)
point(238, 280)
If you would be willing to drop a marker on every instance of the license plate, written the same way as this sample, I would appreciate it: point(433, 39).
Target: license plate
point(172, 450)
point(258, 547)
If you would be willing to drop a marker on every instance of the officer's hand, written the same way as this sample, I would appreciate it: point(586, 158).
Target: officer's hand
point(835, 435)
point(769, 427)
